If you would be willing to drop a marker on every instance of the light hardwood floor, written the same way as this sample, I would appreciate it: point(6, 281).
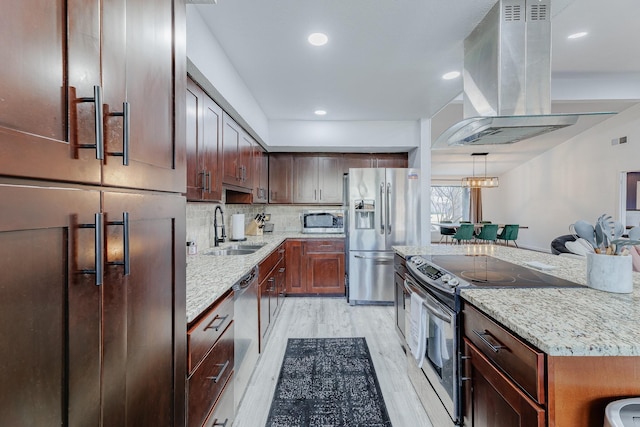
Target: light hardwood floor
point(332, 317)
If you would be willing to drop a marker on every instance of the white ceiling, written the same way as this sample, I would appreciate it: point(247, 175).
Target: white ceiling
point(385, 59)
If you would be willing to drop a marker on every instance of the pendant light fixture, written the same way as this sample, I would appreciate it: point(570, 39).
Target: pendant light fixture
point(480, 181)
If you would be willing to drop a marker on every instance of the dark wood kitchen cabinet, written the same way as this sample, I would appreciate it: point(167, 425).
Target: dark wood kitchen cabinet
point(204, 146)
point(94, 282)
point(79, 71)
point(506, 376)
point(317, 179)
point(271, 279)
point(260, 175)
point(315, 266)
point(374, 160)
point(211, 365)
point(92, 291)
point(512, 383)
point(237, 149)
point(280, 178)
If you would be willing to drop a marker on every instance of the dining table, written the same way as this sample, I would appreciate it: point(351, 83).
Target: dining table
point(456, 225)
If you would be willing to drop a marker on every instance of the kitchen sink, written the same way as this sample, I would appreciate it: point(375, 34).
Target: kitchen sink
point(231, 251)
point(236, 250)
point(253, 247)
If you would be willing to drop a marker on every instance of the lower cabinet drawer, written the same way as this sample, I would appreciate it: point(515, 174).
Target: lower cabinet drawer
point(333, 245)
point(223, 414)
point(523, 364)
point(209, 378)
point(202, 335)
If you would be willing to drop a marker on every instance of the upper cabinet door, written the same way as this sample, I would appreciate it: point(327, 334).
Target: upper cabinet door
point(51, 64)
point(204, 145)
point(280, 178)
point(330, 179)
point(230, 146)
point(305, 179)
point(89, 93)
point(139, 108)
point(212, 149)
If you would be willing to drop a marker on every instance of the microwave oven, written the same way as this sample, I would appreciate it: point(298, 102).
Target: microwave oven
point(323, 221)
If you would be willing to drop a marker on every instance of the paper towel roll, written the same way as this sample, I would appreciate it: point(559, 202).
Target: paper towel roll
point(237, 226)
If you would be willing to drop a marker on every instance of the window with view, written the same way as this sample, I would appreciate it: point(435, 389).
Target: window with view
point(449, 203)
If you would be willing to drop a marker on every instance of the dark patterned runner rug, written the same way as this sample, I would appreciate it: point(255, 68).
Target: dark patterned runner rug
point(327, 382)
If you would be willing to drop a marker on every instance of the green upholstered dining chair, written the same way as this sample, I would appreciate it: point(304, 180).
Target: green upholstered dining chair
point(464, 233)
point(485, 222)
point(488, 232)
point(446, 231)
point(509, 233)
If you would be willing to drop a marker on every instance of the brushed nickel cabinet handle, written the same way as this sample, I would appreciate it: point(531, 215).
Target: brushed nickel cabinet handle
point(483, 337)
point(126, 261)
point(217, 377)
point(99, 125)
point(223, 424)
point(98, 227)
point(218, 326)
point(126, 116)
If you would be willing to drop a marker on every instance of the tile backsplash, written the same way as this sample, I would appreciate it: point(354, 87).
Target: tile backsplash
point(285, 218)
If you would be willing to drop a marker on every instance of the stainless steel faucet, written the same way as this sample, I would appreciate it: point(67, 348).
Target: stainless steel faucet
point(216, 239)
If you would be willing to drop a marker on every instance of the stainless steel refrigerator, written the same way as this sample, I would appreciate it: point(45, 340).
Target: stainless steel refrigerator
point(384, 211)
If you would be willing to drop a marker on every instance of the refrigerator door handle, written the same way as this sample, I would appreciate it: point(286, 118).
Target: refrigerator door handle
point(388, 204)
point(382, 209)
point(380, 259)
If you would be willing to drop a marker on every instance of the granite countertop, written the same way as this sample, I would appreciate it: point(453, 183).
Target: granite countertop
point(560, 322)
point(209, 277)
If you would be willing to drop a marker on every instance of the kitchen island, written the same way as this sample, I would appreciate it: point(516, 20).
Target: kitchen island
point(589, 340)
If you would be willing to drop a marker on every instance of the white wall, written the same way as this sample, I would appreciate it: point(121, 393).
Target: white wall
point(208, 56)
point(578, 179)
point(366, 136)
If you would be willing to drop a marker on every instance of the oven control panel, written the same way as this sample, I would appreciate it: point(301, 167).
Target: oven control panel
point(430, 273)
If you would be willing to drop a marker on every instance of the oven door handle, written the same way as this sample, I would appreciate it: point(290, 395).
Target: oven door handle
point(433, 309)
point(437, 312)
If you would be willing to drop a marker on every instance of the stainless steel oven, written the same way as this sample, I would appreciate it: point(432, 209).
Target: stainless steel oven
point(434, 374)
point(438, 279)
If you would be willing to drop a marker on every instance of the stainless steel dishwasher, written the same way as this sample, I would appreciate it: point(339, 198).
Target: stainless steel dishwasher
point(246, 333)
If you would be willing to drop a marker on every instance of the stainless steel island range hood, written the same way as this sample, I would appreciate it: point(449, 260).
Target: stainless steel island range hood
point(507, 78)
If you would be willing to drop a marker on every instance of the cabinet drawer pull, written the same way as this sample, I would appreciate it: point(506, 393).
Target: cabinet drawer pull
point(223, 424)
point(209, 181)
point(99, 126)
point(217, 377)
point(218, 326)
point(126, 262)
point(281, 270)
point(98, 227)
point(126, 116)
point(483, 338)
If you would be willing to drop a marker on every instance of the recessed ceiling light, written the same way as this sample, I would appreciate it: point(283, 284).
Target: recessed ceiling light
point(320, 112)
point(318, 39)
point(451, 75)
point(577, 35)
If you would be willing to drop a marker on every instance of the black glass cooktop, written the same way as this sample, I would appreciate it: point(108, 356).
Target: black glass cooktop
point(487, 271)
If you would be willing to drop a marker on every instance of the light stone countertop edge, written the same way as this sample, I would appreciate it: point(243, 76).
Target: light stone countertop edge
point(560, 322)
